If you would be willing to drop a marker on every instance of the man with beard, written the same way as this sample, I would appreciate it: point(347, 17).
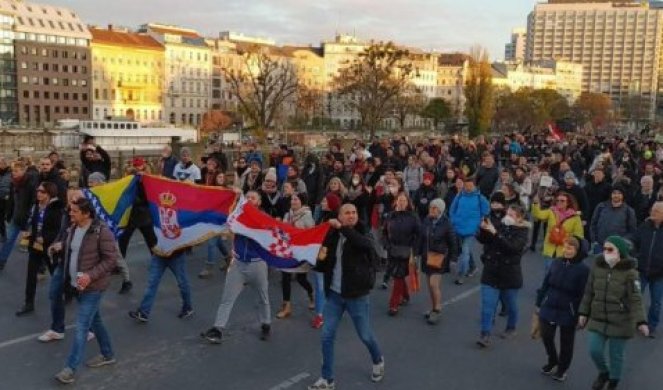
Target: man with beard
point(612, 218)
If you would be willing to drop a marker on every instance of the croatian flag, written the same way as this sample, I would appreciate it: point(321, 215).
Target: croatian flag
point(185, 214)
point(279, 244)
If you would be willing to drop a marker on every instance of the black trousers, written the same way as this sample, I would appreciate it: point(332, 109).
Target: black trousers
point(36, 261)
point(567, 336)
point(148, 234)
point(286, 288)
point(535, 231)
point(3, 214)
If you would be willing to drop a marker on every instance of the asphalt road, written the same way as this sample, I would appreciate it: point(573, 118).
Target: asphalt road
point(167, 353)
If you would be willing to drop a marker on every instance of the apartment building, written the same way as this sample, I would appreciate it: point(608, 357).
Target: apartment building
point(452, 71)
point(515, 49)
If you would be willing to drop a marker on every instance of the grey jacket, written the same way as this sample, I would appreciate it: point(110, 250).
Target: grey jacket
point(608, 221)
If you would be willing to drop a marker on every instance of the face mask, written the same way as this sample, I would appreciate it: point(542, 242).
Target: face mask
point(611, 258)
point(355, 182)
point(508, 221)
point(393, 190)
point(499, 214)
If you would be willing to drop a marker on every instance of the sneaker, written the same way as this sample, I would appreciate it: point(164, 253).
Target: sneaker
point(600, 381)
point(508, 334)
point(548, 369)
point(612, 384)
point(265, 330)
point(384, 285)
point(322, 384)
point(66, 376)
point(100, 361)
point(559, 376)
point(126, 287)
point(378, 371)
point(185, 313)
point(459, 282)
point(405, 301)
point(652, 334)
point(392, 312)
point(90, 336)
point(213, 335)
point(433, 317)
point(25, 309)
point(317, 322)
point(138, 316)
point(473, 271)
point(50, 335)
point(484, 341)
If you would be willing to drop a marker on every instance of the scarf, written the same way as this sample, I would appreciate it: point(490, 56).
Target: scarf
point(562, 215)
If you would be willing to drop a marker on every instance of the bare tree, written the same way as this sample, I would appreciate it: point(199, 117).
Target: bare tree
point(409, 102)
point(263, 85)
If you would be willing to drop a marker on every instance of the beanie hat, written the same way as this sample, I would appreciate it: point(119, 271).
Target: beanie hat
point(622, 245)
point(271, 175)
point(498, 197)
point(429, 176)
point(569, 175)
point(333, 202)
point(619, 188)
point(439, 203)
point(96, 177)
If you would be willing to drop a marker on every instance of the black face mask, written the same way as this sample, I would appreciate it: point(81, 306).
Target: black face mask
point(499, 214)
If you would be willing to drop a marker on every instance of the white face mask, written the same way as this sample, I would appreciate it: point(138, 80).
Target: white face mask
point(508, 220)
point(611, 258)
point(355, 181)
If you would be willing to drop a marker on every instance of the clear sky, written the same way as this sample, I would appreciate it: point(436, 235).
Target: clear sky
point(441, 25)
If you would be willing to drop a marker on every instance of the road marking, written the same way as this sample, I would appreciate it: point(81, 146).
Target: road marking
point(461, 296)
point(18, 340)
point(288, 383)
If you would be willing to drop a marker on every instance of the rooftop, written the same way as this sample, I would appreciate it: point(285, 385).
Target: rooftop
point(121, 38)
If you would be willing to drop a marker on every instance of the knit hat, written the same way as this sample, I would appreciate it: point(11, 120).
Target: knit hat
point(619, 188)
point(622, 245)
point(96, 178)
point(439, 203)
point(569, 175)
point(429, 176)
point(333, 202)
point(498, 197)
point(138, 162)
point(271, 175)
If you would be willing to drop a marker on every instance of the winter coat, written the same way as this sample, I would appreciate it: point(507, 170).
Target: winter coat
point(438, 236)
point(140, 211)
point(313, 180)
point(596, 194)
point(562, 290)
point(466, 212)
point(272, 205)
point(612, 299)
point(413, 177)
point(167, 166)
point(610, 221)
point(5, 183)
point(402, 230)
point(22, 198)
point(50, 223)
point(358, 270)
point(486, 179)
point(301, 218)
point(642, 205)
point(97, 256)
point(422, 199)
point(501, 256)
point(648, 248)
point(572, 226)
point(88, 167)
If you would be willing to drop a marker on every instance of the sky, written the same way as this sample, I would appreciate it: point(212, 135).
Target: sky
point(441, 25)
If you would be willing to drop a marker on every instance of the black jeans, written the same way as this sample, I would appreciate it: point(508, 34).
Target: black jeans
point(36, 260)
point(148, 234)
point(567, 336)
point(3, 214)
point(286, 278)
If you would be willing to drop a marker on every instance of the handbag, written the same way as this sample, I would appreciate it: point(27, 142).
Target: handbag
point(434, 260)
point(413, 278)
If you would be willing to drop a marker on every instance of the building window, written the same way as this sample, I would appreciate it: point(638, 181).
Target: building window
point(56, 68)
point(54, 54)
point(46, 80)
point(35, 80)
point(66, 109)
point(96, 94)
point(26, 94)
point(75, 110)
point(35, 94)
point(44, 67)
point(75, 96)
point(56, 95)
point(65, 68)
point(84, 110)
point(55, 81)
point(65, 82)
point(65, 95)
point(47, 95)
point(57, 109)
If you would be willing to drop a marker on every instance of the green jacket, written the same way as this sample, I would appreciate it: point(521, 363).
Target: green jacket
point(612, 300)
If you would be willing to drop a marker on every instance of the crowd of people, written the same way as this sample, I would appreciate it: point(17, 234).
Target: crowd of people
point(592, 206)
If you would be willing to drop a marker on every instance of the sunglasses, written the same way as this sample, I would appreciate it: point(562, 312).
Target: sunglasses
point(608, 249)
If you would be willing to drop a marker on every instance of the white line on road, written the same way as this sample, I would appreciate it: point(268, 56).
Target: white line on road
point(26, 338)
point(291, 381)
point(461, 296)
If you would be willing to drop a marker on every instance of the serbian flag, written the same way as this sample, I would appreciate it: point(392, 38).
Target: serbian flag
point(112, 202)
point(185, 214)
point(279, 244)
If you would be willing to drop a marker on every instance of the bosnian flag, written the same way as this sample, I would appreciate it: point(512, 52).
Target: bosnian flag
point(185, 214)
point(279, 244)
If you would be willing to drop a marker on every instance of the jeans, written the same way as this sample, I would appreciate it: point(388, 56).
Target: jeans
point(319, 285)
point(157, 267)
point(655, 296)
point(56, 295)
point(359, 310)
point(239, 274)
point(566, 341)
point(88, 318)
point(490, 296)
point(214, 244)
point(616, 347)
point(13, 232)
point(465, 257)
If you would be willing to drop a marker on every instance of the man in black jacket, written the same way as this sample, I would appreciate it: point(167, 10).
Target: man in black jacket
point(648, 244)
point(487, 175)
point(48, 173)
point(346, 262)
point(93, 159)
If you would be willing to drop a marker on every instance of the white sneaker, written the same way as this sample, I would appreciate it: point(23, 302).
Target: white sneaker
point(322, 384)
point(378, 371)
point(90, 336)
point(50, 336)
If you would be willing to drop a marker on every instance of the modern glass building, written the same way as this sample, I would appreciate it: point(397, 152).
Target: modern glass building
point(8, 95)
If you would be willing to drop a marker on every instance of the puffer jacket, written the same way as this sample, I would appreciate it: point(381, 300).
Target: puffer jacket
point(501, 256)
point(572, 226)
point(612, 221)
point(612, 299)
point(562, 290)
point(22, 198)
point(648, 246)
point(97, 256)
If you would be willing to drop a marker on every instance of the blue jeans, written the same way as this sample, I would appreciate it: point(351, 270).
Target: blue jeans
point(489, 298)
point(359, 310)
point(319, 285)
point(55, 293)
point(465, 262)
point(88, 318)
point(157, 267)
point(12, 235)
point(213, 244)
point(616, 347)
point(655, 296)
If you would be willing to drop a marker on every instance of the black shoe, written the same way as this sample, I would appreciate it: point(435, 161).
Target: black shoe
point(393, 312)
point(138, 316)
point(459, 282)
point(532, 249)
point(600, 381)
point(25, 309)
point(185, 313)
point(405, 301)
point(559, 376)
point(213, 335)
point(612, 384)
point(484, 341)
point(384, 285)
point(126, 287)
point(652, 333)
point(265, 331)
point(2, 266)
point(502, 313)
point(548, 369)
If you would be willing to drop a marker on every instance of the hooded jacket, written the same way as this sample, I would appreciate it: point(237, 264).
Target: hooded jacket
point(466, 212)
point(501, 256)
